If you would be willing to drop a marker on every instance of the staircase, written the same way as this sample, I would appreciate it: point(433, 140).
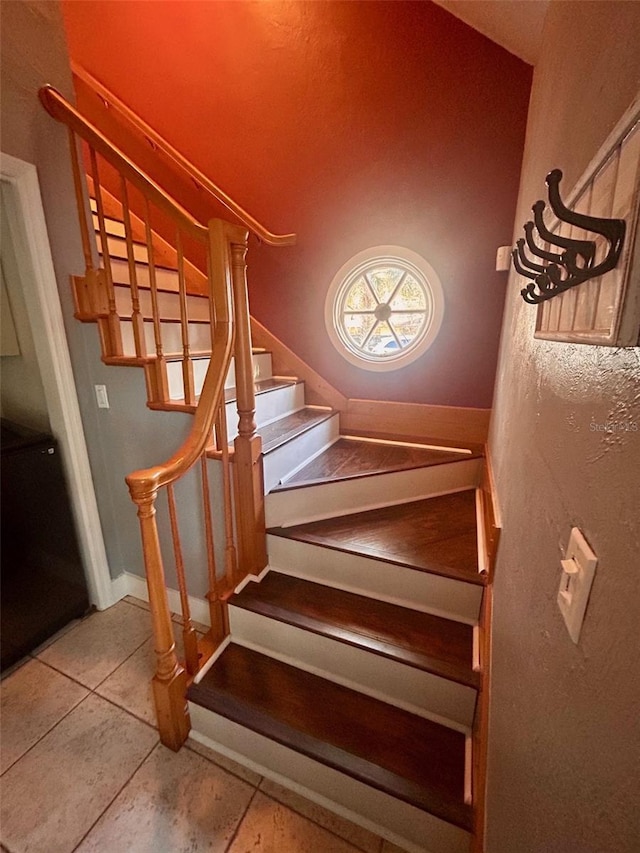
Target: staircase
point(351, 667)
point(350, 670)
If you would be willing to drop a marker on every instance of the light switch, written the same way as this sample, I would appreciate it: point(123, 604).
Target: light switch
point(503, 259)
point(578, 569)
point(101, 396)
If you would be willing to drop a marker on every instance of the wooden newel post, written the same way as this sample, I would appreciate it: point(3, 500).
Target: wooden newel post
point(249, 484)
point(170, 680)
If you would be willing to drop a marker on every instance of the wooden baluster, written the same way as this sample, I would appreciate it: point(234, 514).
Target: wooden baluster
point(249, 492)
point(114, 333)
point(87, 289)
point(187, 364)
point(137, 320)
point(217, 609)
point(161, 389)
point(188, 631)
point(222, 444)
point(170, 680)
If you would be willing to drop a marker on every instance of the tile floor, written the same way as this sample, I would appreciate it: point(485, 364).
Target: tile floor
point(82, 768)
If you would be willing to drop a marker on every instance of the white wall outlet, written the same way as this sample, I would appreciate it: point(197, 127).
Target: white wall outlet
point(578, 569)
point(503, 259)
point(101, 396)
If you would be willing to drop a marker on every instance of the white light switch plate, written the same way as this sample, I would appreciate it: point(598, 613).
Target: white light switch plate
point(578, 569)
point(101, 396)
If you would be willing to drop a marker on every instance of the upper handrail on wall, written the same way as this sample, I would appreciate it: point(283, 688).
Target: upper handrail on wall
point(59, 108)
point(160, 145)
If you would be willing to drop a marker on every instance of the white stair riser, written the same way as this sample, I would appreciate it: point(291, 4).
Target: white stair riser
point(409, 827)
point(269, 406)
point(325, 500)
point(418, 590)
point(166, 279)
point(117, 247)
point(261, 369)
point(176, 382)
point(113, 227)
point(396, 683)
point(168, 305)
point(262, 362)
point(281, 461)
point(171, 339)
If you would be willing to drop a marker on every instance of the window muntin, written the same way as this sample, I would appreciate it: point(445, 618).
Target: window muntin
point(384, 307)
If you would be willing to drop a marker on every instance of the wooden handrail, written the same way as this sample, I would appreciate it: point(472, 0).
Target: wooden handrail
point(147, 481)
point(195, 176)
point(60, 109)
point(226, 247)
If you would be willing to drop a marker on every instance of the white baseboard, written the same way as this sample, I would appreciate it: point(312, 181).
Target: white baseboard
point(129, 584)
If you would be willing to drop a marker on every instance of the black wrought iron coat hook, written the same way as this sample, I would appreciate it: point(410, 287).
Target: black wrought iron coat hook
point(576, 263)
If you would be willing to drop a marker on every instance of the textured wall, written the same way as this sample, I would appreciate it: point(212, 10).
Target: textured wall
point(564, 736)
point(127, 436)
point(353, 124)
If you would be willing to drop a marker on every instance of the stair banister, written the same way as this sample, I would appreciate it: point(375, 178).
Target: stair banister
point(170, 680)
point(195, 176)
point(226, 247)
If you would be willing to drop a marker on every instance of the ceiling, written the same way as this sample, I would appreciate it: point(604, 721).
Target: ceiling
point(516, 25)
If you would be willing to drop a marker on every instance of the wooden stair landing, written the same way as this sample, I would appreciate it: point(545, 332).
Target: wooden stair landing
point(408, 757)
point(353, 457)
point(430, 643)
point(436, 535)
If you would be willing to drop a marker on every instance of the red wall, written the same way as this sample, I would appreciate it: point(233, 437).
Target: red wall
point(353, 124)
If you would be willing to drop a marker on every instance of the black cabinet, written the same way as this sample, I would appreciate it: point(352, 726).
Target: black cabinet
point(43, 585)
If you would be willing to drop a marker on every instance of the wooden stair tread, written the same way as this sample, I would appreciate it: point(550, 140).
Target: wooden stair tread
point(430, 643)
point(262, 386)
point(348, 458)
point(279, 432)
point(408, 757)
point(436, 535)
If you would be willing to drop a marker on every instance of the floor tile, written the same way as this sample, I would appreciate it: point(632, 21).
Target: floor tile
point(130, 684)
point(99, 644)
point(175, 802)
point(359, 837)
point(227, 763)
point(270, 827)
point(55, 793)
point(33, 699)
point(137, 602)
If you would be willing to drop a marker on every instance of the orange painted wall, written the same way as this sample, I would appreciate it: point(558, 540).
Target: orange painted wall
point(353, 124)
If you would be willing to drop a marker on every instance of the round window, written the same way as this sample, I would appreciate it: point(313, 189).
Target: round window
point(384, 308)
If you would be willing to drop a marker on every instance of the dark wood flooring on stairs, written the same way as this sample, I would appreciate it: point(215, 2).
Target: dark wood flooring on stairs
point(261, 387)
point(284, 429)
point(427, 642)
point(435, 534)
point(350, 457)
point(416, 760)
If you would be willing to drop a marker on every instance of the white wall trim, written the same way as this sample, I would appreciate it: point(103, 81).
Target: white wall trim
point(128, 584)
point(30, 240)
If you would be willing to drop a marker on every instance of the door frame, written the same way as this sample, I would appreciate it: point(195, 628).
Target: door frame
point(30, 242)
